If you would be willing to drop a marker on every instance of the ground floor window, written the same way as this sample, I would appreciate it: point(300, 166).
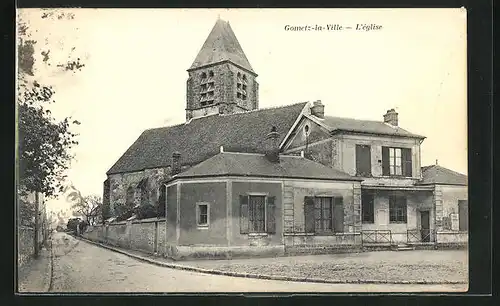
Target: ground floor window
point(257, 214)
point(202, 214)
point(367, 207)
point(397, 209)
point(323, 214)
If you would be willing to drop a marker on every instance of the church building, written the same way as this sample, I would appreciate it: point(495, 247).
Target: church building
point(237, 179)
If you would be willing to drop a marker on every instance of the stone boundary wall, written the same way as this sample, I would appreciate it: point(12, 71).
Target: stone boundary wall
point(452, 237)
point(146, 235)
point(25, 244)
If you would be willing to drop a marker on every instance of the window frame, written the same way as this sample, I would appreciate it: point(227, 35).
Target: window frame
point(321, 219)
point(393, 165)
point(264, 230)
point(398, 207)
point(198, 215)
point(405, 165)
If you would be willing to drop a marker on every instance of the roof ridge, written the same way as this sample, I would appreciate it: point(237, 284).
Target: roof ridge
point(350, 118)
point(224, 115)
point(263, 109)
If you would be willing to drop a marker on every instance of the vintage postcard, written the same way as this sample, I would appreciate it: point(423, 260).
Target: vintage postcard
point(242, 150)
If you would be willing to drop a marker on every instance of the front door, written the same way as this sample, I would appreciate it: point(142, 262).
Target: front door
point(425, 226)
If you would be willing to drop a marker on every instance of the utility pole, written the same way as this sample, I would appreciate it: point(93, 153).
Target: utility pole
point(36, 223)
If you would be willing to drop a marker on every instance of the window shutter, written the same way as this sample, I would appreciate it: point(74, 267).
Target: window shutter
point(363, 160)
point(243, 214)
point(309, 214)
point(338, 214)
point(271, 215)
point(385, 161)
point(407, 165)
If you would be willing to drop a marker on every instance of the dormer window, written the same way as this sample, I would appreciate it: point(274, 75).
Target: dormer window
point(207, 89)
point(241, 86)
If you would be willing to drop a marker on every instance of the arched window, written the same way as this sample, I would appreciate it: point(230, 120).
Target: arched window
point(207, 89)
point(143, 188)
point(241, 86)
point(129, 199)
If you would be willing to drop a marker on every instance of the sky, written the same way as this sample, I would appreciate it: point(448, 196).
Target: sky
point(136, 59)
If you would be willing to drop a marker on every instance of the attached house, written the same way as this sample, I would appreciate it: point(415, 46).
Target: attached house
point(401, 201)
point(236, 178)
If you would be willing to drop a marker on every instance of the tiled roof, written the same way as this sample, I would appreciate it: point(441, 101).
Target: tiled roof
point(258, 165)
point(365, 126)
point(439, 175)
point(202, 137)
point(221, 45)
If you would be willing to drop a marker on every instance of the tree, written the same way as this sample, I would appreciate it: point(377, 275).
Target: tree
point(44, 143)
point(89, 207)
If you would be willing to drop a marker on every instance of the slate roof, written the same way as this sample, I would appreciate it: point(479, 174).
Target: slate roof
point(257, 165)
point(202, 137)
point(221, 45)
point(365, 126)
point(436, 174)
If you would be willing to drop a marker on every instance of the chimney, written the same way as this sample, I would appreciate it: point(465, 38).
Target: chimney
point(391, 117)
point(176, 163)
point(272, 146)
point(318, 109)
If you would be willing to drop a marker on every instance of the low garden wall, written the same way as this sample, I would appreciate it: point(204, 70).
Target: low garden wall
point(146, 235)
point(452, 237)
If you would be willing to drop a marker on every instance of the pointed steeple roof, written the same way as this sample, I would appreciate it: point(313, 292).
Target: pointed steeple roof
point(221, 45)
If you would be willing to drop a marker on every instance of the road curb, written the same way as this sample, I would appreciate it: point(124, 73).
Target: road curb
point(262, 276)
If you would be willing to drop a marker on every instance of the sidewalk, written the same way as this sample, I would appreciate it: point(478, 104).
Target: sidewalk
point(365, 268)
point(35, 275)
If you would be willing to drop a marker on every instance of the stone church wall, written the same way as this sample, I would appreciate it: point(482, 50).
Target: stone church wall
point(120, 182)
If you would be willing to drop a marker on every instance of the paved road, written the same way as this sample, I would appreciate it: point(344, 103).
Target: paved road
point(82, 267)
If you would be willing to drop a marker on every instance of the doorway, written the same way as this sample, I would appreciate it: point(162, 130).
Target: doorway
point(425, 231)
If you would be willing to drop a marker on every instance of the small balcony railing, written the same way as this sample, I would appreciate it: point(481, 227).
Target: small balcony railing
point(420, 235)
point(376, 237)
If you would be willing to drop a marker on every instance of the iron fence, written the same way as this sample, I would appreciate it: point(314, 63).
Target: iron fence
point(376, 237)
point(420, 235)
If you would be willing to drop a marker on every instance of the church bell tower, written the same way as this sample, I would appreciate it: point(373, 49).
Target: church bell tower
point(221, 79)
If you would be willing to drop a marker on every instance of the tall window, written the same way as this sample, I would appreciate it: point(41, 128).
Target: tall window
point(241, 86)
point(363, 160)
point(397, 209)
point(323, 214)
point(207, 89)
point(323, 208)
point(202, 214)
point(257, 214)
point(143, 188)
point(129, 199)
point(396, 162)
point(367, 207)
